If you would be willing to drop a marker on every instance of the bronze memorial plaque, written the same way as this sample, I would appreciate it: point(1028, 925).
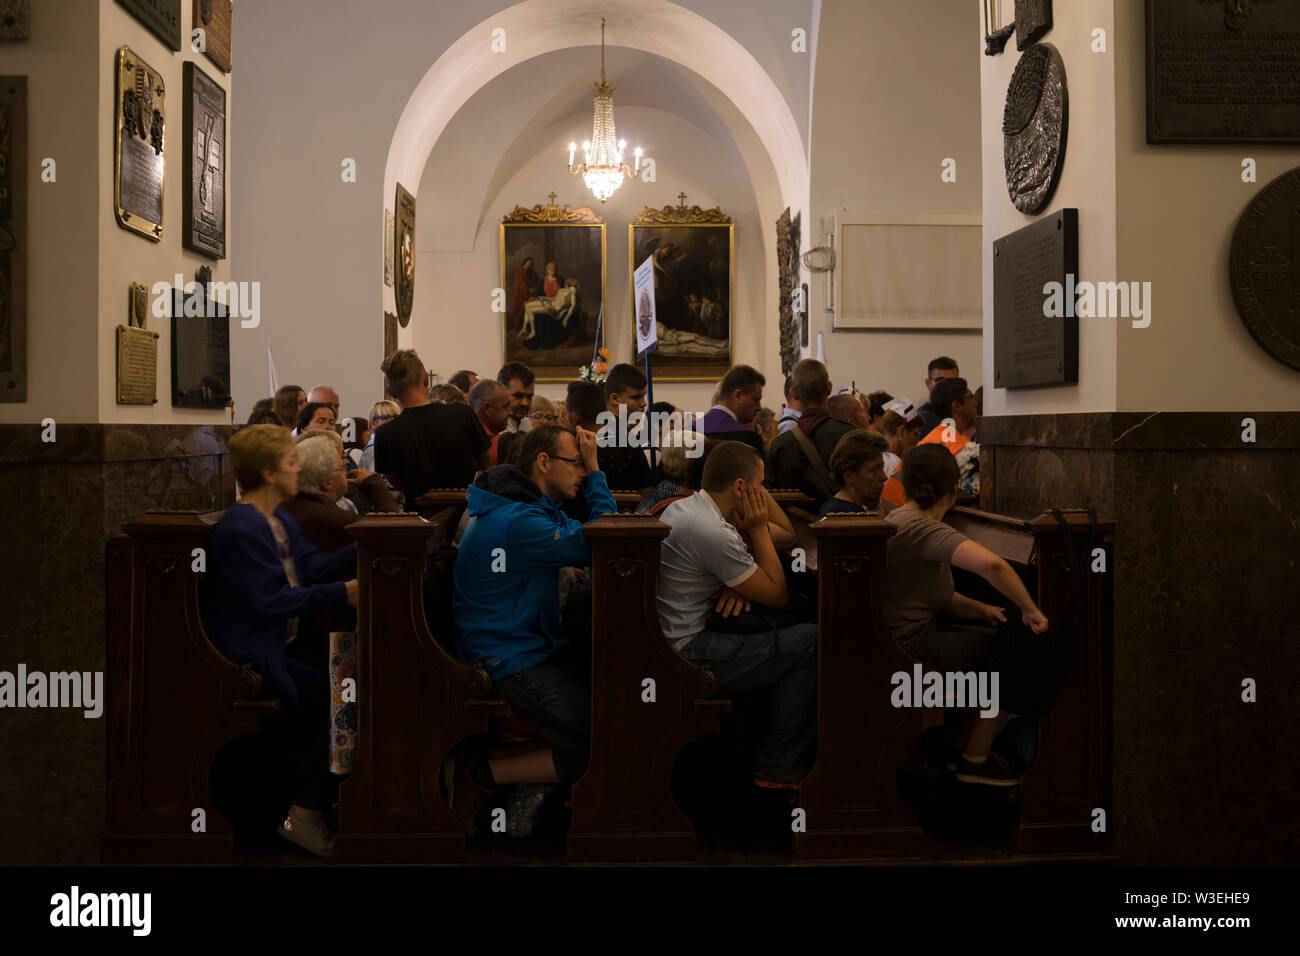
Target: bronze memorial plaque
point(162, 17)
point(137, 366)
point(13, 238)
point(138, 152)
point(404, 253)
point(1264, 268)
point(1226, 71)
point(1035, 120)
point(1031, 344)
point(213, 18)
point(203, 202)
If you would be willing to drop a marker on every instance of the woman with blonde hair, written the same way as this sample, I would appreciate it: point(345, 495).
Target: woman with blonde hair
point(263, 575)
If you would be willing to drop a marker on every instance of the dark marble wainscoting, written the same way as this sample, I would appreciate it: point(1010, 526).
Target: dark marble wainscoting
point(1207, 542)
point(62, 502)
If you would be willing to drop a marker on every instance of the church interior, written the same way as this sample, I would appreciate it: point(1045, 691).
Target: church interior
point(860, 354)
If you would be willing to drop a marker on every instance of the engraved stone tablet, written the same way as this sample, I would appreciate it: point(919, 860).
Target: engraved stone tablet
point(213, 18)
point(1223, 72)
point(204, 195)
point(1264, 269)
point(1034, 124)
point(138, 157)
point(137, 366)
point(200, 351)
point(1031, 347)
point(162, 17)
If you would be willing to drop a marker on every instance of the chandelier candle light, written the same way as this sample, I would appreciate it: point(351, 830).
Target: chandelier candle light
point(603, 169)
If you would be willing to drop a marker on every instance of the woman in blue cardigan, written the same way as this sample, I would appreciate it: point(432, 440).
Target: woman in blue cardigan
point(263, 575)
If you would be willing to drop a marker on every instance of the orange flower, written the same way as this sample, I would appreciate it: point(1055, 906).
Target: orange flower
point(600, 367)
point(603, 353)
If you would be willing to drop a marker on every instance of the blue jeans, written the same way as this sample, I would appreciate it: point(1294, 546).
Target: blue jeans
point(786, 661)
point(555, 700)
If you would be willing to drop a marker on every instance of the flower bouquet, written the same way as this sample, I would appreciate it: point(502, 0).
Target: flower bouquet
point(598, 370)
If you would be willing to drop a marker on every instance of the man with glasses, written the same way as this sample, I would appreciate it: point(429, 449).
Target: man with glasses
point(507, 608)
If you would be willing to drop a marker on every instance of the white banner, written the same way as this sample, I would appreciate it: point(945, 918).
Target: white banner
point(643, 294)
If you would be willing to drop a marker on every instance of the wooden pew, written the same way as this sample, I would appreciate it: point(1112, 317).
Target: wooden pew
point(850, 798)
point(174, 699)
point(622, 806)
point(415, 701)
point(1071, 774)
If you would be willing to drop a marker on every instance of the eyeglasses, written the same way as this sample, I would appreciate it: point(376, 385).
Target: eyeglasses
point(571, 461)
point(542, 417)
point(384, 418)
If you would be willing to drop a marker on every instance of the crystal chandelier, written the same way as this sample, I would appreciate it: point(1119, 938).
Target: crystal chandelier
point(603, 169)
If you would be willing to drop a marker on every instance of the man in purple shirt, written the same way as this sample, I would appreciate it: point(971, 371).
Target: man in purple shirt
point(740, 399)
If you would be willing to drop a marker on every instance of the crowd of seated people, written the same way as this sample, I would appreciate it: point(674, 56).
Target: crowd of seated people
point(535, 473)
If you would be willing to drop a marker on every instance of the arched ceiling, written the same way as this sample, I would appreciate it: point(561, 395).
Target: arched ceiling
point(508, 119)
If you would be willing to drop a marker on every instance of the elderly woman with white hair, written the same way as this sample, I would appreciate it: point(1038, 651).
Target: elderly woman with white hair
point(322, 483)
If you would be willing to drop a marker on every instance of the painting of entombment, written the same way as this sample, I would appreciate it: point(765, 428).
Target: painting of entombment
point(553, 275)
point(692, 250)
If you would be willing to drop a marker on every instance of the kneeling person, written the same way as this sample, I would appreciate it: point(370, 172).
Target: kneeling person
point(704, 552)
point(507, 611)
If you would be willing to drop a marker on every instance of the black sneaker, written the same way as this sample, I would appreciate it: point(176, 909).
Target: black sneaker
point(993, 772)
point(523, 807)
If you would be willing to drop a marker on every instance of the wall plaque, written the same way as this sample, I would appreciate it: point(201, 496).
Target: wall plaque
point(388, 247)
point(1029, 346)
point(162, 17)
point(13, 238)
point(200, 350)
point(1223, 72)
point(15, 19)
point(204, 194)
point(138, 152)
point(137, 366)
point(1034, 124)
point(787, 263)
point(213, 18)
point(404, 253)
point(1264, 268)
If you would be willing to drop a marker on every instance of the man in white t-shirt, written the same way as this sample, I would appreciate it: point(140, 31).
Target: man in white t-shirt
point(705, 552)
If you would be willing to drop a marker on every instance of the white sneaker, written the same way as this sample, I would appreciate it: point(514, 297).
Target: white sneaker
point(312, 835)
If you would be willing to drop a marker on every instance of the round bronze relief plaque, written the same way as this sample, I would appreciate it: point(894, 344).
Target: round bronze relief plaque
point(1034, 123)
point(1264, 268)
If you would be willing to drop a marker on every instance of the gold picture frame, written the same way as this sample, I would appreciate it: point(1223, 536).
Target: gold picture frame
point(692, 354)
point(557, 336)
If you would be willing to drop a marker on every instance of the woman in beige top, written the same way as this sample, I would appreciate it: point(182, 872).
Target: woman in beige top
point(918, 587)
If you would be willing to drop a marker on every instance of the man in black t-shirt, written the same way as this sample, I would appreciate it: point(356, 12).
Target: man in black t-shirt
point(428, 445)
point(625, 467)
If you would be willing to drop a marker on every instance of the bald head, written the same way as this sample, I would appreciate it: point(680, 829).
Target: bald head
point(490, 401)
point(326, 395)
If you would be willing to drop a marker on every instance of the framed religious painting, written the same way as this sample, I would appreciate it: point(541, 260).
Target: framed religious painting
point(553, 276)
point(693, 251)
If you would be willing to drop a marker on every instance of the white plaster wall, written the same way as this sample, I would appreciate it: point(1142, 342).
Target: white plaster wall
point(125, 256)
point(1088, 183)
point(895, 92)
point(1177, 209)
point(62, 69)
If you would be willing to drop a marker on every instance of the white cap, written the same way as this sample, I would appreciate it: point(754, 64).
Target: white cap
point(903, 407)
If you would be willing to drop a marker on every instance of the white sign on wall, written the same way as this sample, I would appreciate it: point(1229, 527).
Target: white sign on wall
point(643, 294)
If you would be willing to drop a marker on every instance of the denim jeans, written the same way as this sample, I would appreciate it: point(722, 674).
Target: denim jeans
point(786, 661)
point(555, 700)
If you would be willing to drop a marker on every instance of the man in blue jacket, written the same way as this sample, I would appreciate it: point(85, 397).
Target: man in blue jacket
point(507, 606)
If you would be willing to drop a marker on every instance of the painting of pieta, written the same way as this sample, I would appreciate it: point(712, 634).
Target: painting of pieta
point(692, 254)
point(553, 274)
